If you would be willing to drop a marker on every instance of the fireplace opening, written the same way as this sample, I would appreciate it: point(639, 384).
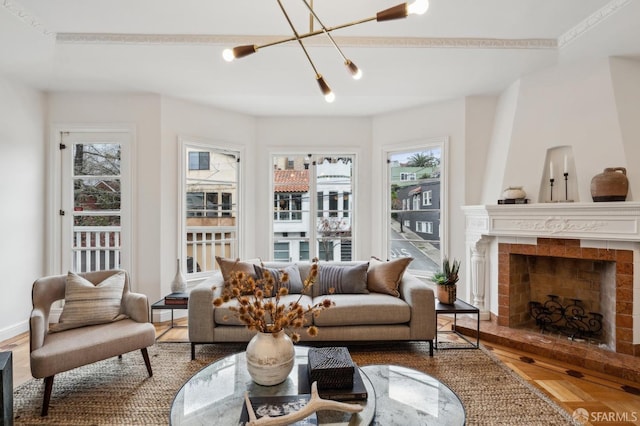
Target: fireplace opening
point(592, 282)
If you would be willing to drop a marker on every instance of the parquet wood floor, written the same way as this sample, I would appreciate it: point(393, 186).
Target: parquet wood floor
point(607, 400)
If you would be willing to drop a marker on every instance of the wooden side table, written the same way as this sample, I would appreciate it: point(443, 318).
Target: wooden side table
point(459, 307)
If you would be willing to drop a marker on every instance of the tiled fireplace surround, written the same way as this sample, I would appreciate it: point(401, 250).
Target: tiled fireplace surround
point(499, 239)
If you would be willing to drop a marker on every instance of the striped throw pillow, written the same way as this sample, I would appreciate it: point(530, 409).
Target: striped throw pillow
point(86, 303)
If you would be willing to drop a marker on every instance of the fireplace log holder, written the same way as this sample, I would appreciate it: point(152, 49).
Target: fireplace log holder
point(570, 320)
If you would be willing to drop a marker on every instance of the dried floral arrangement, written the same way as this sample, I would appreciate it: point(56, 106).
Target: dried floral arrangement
point(260, 306)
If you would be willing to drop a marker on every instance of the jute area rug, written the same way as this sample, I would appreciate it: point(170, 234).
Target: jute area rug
point(119, 392)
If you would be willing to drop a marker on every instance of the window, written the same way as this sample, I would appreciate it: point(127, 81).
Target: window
point(287, 206)
point(209, 208)
point(281, 252)
point(414, 179)
point(313, 206)
point(198, 161)
point(424, 227)
point(95, 197)
point(426, 198)
point(407, 176)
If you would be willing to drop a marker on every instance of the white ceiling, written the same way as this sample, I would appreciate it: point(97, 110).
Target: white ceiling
point(173, 47)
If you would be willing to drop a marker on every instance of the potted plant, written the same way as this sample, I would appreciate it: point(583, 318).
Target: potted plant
point(446, 280)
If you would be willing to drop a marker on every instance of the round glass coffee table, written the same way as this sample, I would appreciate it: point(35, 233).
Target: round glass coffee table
point(409, 397)
point(215, 395)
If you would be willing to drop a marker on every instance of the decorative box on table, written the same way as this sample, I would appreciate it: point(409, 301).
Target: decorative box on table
point(331, 367)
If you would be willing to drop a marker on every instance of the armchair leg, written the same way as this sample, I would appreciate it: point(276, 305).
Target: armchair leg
point(430, 347)
point(193, 351)
point(145, 355)
point(48, 386)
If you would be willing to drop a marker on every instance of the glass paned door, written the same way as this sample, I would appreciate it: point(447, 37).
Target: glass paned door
point(94, 193)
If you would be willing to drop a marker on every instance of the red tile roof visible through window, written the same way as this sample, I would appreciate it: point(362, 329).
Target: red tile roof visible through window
point(291, 180)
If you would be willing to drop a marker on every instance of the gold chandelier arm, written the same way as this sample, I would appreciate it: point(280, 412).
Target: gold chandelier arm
point(297, 37)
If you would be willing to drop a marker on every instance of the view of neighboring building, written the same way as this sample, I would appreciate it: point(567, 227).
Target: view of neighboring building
point(415, 208)
point(302, 185)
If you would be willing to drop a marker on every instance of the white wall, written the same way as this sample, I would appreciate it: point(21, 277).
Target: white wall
point(22, 216)
point(573, 105)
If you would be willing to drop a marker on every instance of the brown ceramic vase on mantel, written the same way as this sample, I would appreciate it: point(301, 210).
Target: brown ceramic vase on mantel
point(610, 185)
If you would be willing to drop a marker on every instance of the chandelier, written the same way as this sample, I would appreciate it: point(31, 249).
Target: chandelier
point(418, 7)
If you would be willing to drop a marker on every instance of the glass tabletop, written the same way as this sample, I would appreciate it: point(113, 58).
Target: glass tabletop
point(408, 397)
point(215, 395)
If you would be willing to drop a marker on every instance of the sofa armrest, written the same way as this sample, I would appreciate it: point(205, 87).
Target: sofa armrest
point(38, 328)
point(420, 297)
point(136, 306)
point(201, 320)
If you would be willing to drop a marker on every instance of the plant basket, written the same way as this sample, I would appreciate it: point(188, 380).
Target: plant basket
point(447, 293)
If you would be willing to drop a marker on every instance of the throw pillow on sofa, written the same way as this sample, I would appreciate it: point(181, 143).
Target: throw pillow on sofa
point(86, 303)
point(342, 279)
point(227, 266)
point(385, 277)
point(294, 285)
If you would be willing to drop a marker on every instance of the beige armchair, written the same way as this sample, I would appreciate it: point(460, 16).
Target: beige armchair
point(56, 352)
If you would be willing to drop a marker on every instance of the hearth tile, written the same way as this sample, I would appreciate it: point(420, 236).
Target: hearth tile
point(624, 293)
point(589, 253)
point(624, 281)
point(528, 249)
point(572, 243)
point(624, 334)
point(546, 241)
point(624, 320)
point(624, 307)
point(624, 256)
point(557, 251)
point(625, 268)
point(624, 347)
point(605, 254)
point(574, 252)
point(504, 248)
point(543, 250)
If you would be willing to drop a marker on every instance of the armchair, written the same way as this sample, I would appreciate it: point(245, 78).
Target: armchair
point(56, 352)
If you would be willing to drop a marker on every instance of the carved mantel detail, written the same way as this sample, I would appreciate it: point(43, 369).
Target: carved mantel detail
point(554, 225)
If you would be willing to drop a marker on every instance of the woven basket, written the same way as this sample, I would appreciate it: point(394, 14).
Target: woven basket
point(331, 367)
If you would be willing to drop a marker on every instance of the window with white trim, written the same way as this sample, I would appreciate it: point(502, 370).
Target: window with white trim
point(416, 202)
point(313, 206)
point(209, 206)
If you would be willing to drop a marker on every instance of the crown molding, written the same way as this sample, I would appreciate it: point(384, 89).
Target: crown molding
point(26, 17)
point(593, 20)
point(225, 40)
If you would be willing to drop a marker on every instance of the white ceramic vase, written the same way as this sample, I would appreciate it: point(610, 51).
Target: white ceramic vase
point(270, 358)
point(179, 283)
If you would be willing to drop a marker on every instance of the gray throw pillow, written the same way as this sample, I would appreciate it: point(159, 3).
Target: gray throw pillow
point(343, 279)
point(294, 285)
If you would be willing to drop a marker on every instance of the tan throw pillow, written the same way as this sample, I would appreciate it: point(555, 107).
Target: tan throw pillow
point(227, 266)
point(385, 277)
point(86, 303)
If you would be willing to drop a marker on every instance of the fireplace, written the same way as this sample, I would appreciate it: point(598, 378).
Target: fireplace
point(588, 251)
point(602, 279)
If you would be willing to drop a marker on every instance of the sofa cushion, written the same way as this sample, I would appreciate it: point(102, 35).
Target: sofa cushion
point(86, 303)
point(225, 316)
point(294, 284)
point(354, 309)
point(227, 266)
point(342, 279)
point(385, 277)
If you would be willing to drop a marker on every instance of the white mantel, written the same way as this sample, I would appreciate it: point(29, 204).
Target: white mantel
point(602, 225)
point(614, 221)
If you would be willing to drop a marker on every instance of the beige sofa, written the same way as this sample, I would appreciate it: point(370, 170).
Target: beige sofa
point(373, 316)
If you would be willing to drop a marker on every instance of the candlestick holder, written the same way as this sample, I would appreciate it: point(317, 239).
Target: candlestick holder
point(566, 186)
point(551, 182)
